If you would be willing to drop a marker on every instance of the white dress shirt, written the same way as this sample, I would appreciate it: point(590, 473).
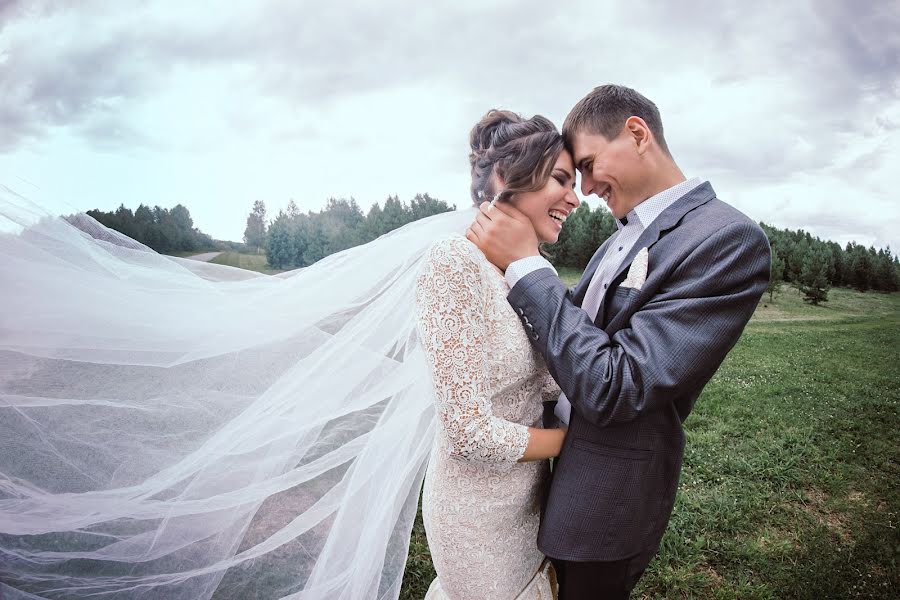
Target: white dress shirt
point(640, 217)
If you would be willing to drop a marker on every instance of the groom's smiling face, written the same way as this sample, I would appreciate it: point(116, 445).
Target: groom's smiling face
point(610, 169)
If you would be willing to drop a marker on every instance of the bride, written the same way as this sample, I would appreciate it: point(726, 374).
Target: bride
point(486, 476)
point(180, 430)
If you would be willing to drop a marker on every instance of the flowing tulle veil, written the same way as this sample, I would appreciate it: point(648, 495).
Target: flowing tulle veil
point(171, 429)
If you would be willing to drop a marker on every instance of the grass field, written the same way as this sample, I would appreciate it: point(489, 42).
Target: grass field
point(185, 254)
point(790, 483)
point(251, 262)
point(569, 276)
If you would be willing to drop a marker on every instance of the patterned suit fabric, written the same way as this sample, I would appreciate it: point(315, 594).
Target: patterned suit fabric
point(634, 372)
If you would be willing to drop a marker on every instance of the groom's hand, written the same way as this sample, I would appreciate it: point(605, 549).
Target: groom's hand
point(503, 233)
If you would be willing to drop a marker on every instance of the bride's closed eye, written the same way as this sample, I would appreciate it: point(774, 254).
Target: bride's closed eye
point(562, 177)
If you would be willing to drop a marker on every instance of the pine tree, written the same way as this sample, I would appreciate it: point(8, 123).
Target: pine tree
point(374, 225)
point(424, 205)
point(585, 231)
point(859, 267)
point(280, 251)
point(574, 237)
point(777, 276)
point(796, 258)
point(395, 214)
point(125, 222)
point(183, 225)
point(814, 277)
point(885, 274)
point(342, 224)
point(839, 261)
point(315, 239)
point(255, 232)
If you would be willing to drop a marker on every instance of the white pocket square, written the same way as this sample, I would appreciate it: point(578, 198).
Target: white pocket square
point(637, 272)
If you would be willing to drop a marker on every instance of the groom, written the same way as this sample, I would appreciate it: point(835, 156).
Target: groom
point(660, 304)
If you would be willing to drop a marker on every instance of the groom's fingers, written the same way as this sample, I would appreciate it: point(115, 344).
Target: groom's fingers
point(486, 208)
point(483, 222)
point(490, 216)
point(499, 211)
point(476, 228)
point(505, 209)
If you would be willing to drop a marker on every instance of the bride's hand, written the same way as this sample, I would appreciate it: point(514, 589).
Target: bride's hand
point(503, 233)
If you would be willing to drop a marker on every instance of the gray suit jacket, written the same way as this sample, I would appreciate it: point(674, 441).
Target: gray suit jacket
point(634, 373)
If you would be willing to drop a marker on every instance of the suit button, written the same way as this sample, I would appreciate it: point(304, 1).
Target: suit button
point(535, 335)
point(521, 313)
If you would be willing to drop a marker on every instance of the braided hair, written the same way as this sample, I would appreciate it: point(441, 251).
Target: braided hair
point(520, 151)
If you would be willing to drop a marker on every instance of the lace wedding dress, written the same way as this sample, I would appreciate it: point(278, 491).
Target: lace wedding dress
point(481, 508)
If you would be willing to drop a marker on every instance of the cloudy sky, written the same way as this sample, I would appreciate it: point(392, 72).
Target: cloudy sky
point(790, 109)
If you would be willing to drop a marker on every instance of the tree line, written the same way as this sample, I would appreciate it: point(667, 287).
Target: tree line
point(165, 230)
point(812, 264)
point(800, 258)
point(295, 239)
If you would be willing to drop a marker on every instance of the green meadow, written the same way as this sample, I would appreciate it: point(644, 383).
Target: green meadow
point(790, 481)
point(250, 262)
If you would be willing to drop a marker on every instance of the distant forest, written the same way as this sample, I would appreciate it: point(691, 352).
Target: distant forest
point(165, 230)
point(814, 265)
point(295, 239)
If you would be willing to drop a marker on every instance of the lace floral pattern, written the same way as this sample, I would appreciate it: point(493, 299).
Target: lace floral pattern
point(481, 507)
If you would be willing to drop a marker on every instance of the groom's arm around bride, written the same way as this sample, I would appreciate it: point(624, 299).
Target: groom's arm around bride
point(659, 306)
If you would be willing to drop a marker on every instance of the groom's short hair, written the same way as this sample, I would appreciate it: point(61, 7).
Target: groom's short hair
point(604, 111)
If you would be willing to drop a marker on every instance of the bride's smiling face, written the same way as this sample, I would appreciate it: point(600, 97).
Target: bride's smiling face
point(548, 207)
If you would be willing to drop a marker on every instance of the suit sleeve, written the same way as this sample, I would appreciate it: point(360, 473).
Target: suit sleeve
point(678, 338)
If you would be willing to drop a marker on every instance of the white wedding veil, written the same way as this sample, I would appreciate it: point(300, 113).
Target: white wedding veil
point(171, 429)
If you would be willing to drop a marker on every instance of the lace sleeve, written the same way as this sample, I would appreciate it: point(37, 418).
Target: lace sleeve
point(450, 304)
point(549, 388)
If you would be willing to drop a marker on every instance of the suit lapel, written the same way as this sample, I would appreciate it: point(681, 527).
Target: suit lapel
point(666, 220)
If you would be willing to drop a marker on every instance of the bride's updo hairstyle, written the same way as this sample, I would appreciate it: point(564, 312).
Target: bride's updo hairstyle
point(521, 151)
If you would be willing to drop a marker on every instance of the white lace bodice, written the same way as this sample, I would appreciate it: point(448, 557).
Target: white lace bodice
point(481, 506)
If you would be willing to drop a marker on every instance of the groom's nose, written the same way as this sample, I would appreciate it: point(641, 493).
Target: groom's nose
point(587, 183)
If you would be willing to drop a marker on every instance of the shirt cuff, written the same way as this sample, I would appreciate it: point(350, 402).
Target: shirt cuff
point(522, 267)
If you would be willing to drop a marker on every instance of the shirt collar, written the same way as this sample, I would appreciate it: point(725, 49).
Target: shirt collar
point(646, 212)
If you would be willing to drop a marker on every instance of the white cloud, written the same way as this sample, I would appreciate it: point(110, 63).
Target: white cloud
point(790, 109)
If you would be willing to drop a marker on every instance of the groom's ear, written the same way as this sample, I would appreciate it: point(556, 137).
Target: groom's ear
point(640, 134)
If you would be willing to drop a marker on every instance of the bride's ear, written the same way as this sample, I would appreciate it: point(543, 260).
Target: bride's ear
point(498, 183)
